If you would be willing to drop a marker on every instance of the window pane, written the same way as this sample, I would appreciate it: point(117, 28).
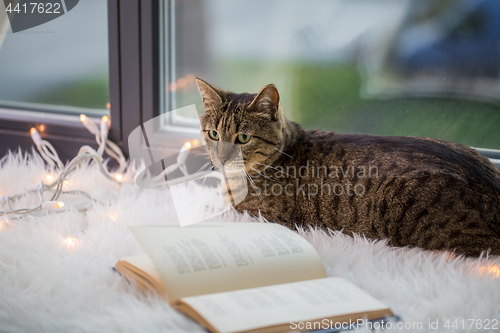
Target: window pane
point(388, 67)
point(60, 65)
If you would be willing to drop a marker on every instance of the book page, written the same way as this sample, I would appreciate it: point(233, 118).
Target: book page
point(286, 306)
point(211, 257)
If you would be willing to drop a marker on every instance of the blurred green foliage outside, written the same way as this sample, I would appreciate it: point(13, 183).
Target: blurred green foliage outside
point(327, 97)
point(92, 93)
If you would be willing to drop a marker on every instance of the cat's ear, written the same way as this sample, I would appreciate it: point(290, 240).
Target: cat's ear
point(210, 95)
point(266, 103)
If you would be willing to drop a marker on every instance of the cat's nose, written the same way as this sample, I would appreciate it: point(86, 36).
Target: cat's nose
point(223, 160)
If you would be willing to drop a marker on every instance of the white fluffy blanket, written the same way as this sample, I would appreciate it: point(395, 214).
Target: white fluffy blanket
point(48, 284)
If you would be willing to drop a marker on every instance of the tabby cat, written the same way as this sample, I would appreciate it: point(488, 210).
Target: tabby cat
point(413, 191)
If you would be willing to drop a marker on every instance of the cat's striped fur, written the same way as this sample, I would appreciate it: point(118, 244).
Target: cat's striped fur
point(423, 192)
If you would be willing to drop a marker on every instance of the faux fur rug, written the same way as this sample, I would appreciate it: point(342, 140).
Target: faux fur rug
point(50, 284)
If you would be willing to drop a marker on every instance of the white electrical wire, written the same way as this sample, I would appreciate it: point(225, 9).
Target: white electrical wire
point(55, 187)
point(101, 137)
point(181, 165)
point(46, 150)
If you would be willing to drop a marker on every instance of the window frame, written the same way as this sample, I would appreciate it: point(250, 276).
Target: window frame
point(134, 87)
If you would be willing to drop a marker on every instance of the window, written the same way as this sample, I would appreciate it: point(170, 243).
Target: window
point(51, 73)
point(60, 66)
point(421, 68)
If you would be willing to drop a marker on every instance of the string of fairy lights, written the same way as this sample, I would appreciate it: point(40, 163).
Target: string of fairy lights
point(55, 184)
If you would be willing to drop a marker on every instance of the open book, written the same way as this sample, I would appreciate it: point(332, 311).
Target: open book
point(240, 277)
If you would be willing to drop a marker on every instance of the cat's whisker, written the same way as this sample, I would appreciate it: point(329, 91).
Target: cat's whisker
point(211, 167)
point(282, 152)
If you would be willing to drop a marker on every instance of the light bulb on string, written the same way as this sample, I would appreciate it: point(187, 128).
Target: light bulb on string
point(113, 215)
point(89, 124)
point(107, 120)
point(37, 139)
point(71, 242)
point(183, 153)
point(105, 125)
point(51, 205)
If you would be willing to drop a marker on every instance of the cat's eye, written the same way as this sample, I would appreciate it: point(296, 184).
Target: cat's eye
point(243, 138)
point(214, 135)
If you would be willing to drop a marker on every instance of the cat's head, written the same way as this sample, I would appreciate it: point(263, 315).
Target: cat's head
point(252, 123)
